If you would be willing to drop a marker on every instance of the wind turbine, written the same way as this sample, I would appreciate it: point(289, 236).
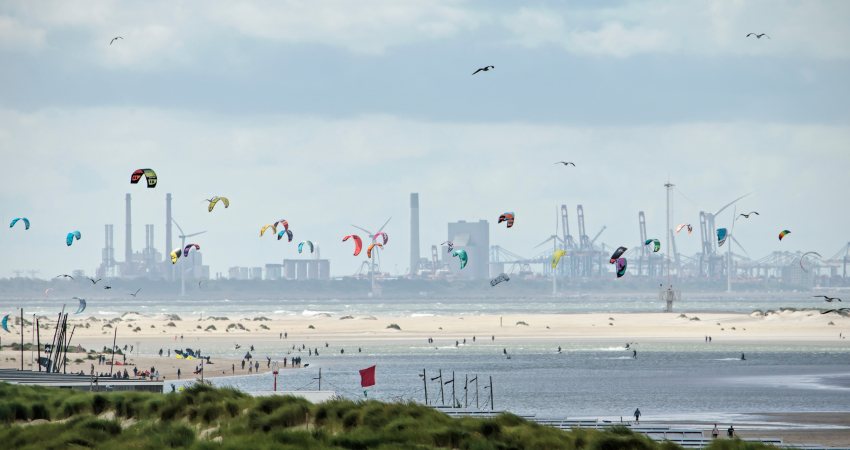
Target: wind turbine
point(555, 239)
point(183, 270)
point(374, 250)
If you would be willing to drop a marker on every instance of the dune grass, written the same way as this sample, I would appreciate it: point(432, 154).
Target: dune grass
point(203, 417)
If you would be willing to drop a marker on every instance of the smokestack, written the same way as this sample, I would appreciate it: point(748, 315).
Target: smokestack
point(128, 236)
point(167, 225)
point(414, 233)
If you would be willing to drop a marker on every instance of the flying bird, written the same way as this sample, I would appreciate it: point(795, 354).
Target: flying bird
point(758, 35)
point(114, 39)
point(107, 287)
point(828, 299)
point(566, 163)
point(93, 281)
point(136, 293)
point(64, 275)
point(484, 69)
point(747, 215)
point(839, 310)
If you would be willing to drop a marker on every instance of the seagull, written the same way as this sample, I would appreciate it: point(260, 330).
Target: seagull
point(484, 69)
point(566, 163)
point(839, 310)
point(747, 215)
point(64, 275)
point(758, 35)
point(136, 293)
point(114, 39)
point(93, 281)
point(828, 299)
point(107, 287)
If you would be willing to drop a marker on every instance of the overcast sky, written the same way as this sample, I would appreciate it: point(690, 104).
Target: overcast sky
point(330, 113)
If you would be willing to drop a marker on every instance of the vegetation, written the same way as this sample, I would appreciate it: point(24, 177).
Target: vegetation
point(205, 418)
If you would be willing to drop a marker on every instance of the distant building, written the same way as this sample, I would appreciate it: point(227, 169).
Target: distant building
point(306, 269)
point(274, 271)
point(474, 237)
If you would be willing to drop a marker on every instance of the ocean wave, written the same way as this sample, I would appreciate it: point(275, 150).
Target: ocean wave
point(311, 313)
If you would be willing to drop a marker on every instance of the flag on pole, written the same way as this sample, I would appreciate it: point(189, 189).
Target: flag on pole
point(367, 377)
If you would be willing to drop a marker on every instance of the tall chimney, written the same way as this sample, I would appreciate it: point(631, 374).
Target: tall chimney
point(128, 237)
point(167, 225)
point(414, 233)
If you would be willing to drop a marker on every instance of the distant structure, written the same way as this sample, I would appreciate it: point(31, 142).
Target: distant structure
point(127, 268)
point(474, 237)
point(414, 234)
point(168, 242)
point(306, 269)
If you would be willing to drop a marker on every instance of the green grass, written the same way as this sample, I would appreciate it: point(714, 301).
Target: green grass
point(207, 418)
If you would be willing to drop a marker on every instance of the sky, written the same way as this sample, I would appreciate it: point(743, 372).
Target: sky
point(331, 113)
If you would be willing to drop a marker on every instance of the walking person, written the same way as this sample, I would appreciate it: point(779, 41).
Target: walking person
point(715, 432)
point(637, 415)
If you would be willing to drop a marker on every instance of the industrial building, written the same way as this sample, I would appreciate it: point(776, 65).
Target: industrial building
point(474, 237)
point(149, 263)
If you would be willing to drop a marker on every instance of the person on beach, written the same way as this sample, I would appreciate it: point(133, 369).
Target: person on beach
point(178, 373)
point(233, 368)
point(743, 358)
point(715, 432)
point(634, 354)
point(730, 433)
point(637, 415)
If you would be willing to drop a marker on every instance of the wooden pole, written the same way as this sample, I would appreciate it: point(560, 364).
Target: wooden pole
point(425, 385)
point(320, 378)
point(442, 394)
point(491, 392)
point(113, 351)
point(22, 338)
point(454, 400)
point(38, 343)
point(64, 362)
point(476, 391)
point(465, 390)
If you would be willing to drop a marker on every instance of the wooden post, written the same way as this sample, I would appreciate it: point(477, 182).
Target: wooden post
point(442, 394)
point(454, 400)
point(65, 363)
point(38, 343)
point(465, 390)
point(320, 378)
point(22, 338)
point(476, 391)
point(491, 392)
point(111, 366)
point(425, 385)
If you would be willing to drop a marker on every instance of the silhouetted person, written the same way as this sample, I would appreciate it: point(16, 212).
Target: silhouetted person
point(637, 415)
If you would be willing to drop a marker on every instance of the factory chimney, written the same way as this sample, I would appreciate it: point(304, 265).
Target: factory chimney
point(167, 225)
point(128, 237)
point(414, 234)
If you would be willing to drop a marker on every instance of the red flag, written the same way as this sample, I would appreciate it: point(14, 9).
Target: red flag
point(367, 377)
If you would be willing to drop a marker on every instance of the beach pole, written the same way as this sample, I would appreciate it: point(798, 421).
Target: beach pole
point(425, 384)
point(22, 338)
point(274, 372)
point(454, 400)
point(442, 393)
point(114, 338)
point(38, 343)
point(64, 363)
point(476, 391)
point(491, 392)
point(320, 378)
point(465, 390)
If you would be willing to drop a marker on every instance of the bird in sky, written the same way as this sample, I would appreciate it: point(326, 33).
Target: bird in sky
point(758, 35)
point(93, 281)
point(747, 215)
point(566, 163)
point(484, 69)
point(107, 287)
point(64, 275)
point(136, 293)
point(115, 38)
point(827, 298)
point(839, 310)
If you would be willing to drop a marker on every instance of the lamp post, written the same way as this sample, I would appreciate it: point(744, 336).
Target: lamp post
point(275, 367)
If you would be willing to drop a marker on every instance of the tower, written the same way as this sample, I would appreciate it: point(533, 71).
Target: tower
point(414, 234)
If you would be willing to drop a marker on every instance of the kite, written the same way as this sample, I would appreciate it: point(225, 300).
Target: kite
point(685, 225)
point(288, 234)
point(803, 256)
point(556, 257)
point(214, 201)
point(149, 175)
point(175, 255)
point(656, 244)
point(462, 256)
point(358, 243)
point(621, 267)
point(507, 217)
point(784, 233)
point(617, 253)
point(722, 234)
point(16, 219)
point(372, 246)
point(301, 246)
point(281, 222)
point(502, 277)
point(5, 323)
point(383, 235)
point(189, 246)
point(69, 239)
point(82, 305)
point(47, 292)
point(449, 246)
point(266, 227)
